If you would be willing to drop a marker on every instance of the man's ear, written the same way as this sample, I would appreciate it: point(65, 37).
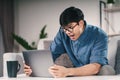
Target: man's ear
point(81, 23)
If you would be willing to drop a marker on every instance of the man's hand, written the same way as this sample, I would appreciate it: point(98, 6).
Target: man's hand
point(86, 70)
point(27, 70)
point(58, 71)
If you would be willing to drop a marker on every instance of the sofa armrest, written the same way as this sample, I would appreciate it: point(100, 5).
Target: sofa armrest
point(44, 44)
point(15, 56)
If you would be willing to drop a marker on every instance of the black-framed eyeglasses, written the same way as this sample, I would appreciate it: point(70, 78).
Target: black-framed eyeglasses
point(69, 28)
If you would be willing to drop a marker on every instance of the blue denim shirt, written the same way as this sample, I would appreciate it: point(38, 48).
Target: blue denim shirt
point(90, 47)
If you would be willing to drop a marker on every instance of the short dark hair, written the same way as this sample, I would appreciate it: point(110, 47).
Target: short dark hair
point(71, 14)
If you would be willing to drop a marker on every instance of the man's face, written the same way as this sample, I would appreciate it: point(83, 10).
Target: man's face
point(74, 29)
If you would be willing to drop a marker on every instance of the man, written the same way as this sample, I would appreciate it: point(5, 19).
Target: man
point(85, 47)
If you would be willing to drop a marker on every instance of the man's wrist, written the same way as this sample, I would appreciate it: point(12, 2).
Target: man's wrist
point(70, 72)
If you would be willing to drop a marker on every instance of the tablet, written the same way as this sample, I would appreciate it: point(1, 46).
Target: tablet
point(39, 61)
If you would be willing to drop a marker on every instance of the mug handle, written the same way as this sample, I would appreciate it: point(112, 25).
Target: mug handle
point(19, 66)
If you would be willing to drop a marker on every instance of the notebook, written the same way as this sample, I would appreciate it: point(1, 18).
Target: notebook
point(39, 61)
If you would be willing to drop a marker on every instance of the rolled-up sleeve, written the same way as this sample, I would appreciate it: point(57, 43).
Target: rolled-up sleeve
point(99, 51)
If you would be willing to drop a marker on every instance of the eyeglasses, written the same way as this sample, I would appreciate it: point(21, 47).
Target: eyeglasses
point(69, 28)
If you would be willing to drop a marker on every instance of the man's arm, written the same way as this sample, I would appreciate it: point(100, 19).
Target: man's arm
point(89, 69)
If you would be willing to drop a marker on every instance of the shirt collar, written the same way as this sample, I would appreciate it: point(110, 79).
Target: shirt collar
point(83, 36)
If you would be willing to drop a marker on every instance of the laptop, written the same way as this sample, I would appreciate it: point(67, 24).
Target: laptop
point(39, 61)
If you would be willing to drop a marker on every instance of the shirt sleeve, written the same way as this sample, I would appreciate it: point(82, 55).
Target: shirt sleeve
point(57, 47)
point(99, 50)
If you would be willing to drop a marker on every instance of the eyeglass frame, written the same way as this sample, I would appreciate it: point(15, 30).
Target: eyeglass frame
point(69, 29)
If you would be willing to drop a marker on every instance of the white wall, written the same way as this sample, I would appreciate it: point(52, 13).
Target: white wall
point(113, 22)
point(32, 15)
point(110, 20)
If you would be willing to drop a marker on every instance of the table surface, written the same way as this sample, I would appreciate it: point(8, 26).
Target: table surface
point(23, 77)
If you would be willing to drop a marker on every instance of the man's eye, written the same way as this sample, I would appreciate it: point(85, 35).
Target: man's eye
point(65, 29)
point(70, 27)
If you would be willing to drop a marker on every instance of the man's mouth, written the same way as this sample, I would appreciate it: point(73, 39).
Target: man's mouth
point(71, 36)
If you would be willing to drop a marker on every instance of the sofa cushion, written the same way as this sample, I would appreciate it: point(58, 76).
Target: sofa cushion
point(64, 60)
point(117, 59)
point(112, 49)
